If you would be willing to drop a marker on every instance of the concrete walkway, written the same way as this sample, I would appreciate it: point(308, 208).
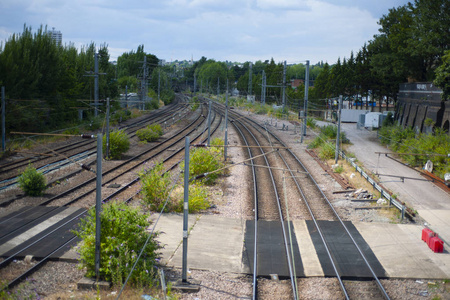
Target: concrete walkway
point(431, 202)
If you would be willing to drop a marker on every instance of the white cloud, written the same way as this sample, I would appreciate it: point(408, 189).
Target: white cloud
point(237, 30)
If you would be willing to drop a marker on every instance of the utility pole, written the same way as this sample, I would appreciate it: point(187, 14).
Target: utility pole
point(263, 88)
point(185, 210)
point(209, 122)
point(284, 86)
point(218, 88)
point(159, 83)
point(96, 83)
point(305, 105)
point(195, 83)
point(95, 74)
point(144, 83)
point(107, 127)
point(338, 137)
point(126, 95)
point(201, 86)
point(226, 125)
point(250, 72)
point(98, 206)
point(3, 120)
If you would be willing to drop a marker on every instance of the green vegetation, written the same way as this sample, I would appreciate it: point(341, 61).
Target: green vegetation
point(405, 140)
point(32, 182)
point(326, 142)
point(118, 144)
point(150, 133)
point(198, 198)
point(155, 187)
point(123, 235)
point(205, 160)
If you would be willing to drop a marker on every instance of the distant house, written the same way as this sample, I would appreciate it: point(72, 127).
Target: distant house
point(295, 83)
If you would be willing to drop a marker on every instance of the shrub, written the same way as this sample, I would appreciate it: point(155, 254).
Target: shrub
point(123, 235)
point(118, 144)
point(339, 169)
point(120, 116)
point(157, 128)
point(150, 133)
point(32, 182)
point(155, 187)
point(154, 104)
point(217, 142)
point(203, 160)
point(198, 199)
point(327, 151)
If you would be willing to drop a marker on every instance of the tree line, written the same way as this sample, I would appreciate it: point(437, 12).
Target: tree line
point(46, 83)
point(411, 45)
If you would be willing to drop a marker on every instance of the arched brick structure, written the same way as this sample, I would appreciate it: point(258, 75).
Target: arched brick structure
point(419, 101)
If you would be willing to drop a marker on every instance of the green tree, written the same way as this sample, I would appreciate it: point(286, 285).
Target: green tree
point(443, 75)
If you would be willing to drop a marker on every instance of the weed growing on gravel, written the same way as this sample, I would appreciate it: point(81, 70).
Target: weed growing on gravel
point(150, 133)
point(123, 235)
point(155, 187)
point(118, 144)
point(204, 160)
point(198, 198)
point(32, 182)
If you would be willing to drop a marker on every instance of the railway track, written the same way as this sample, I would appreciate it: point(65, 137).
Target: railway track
point(61, 228)
point(276, 171)
point(77, 150)
point(287, 168)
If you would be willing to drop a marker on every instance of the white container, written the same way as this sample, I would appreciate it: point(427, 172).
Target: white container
point(372, 120)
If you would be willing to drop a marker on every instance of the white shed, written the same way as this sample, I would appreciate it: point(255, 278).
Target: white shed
point(372, 120)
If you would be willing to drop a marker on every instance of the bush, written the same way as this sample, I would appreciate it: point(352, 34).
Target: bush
point(203, 160)
point(32, 182)
point(150, 133)
point(198, 199)
point(155, 187)
point(327, 151)
point(154, 104)
point(120, 116)
point(123, 235)
point(118, 144)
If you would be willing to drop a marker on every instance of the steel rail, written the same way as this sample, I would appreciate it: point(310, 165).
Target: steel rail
point(380, 286)
point(161, 116)
point(25, 161)
point(289, 260)
point(112, 170)
point(278, 201)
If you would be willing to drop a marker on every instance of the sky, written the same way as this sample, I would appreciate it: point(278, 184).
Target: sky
point(233, 30)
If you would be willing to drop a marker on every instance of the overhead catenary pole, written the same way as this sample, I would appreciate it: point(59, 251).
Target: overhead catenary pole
point(159, 83)
point(195, 83)
point(250, 73)
point(338, 137)
point(209, 122)
point(305, 104)
point(226, 125)
point(185, 210)
point(126, 95)
point(284, 86)
point(98, 206)
point(96, 83)
point(263, 88)
point(3, 120)
point(107, 127)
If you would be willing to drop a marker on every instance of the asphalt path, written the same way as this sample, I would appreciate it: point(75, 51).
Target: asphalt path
point(430, 201)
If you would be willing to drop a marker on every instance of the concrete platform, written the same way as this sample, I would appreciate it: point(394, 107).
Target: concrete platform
point(216, 243)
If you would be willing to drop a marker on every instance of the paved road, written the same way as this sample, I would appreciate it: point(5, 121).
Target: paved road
point(431, 202)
